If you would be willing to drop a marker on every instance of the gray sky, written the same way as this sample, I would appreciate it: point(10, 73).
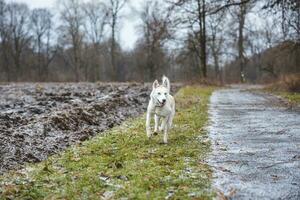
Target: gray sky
point(127, 36)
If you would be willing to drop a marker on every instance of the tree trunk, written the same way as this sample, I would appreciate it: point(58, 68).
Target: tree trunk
point(203, 43)
point(17, 65)
point(216, 63)
point(241, 58)
point(6, 62)
point(76, 64)
point(113, 46)
point(202, 37)
point(39, 59)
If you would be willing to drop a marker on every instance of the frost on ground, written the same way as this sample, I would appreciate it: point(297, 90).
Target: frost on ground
point(37, 120)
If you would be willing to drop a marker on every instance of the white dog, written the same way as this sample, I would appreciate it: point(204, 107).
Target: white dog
point(162, 105)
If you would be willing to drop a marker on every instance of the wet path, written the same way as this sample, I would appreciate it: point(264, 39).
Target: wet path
point(256, 146)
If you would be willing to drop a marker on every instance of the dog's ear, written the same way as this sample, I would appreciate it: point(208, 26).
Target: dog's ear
point(166, 82)
point(155, 84)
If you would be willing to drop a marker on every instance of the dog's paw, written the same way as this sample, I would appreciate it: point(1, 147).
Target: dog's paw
point(165, 140)
point(163, 143)
point(149, 134)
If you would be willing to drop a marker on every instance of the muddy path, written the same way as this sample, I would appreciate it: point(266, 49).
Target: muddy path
point(38, 120)
point(256, 146)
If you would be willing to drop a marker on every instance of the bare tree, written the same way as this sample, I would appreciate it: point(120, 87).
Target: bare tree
point(189, 60)
point(114, 8)
point(17, 34)
point(96, 18)
point(290, 17)
point(96, 15)
point(72, 33)
point(41, 24)
point(216, 39)
point(241, 21)
point(240, 14)
point(2, 12)
point(201, 15)
point(194, 15)
point(195, 12)
point(156, 32)
point(223, 5)
point(4, 41)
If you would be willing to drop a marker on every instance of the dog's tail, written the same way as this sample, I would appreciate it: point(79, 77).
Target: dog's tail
point(166, 82)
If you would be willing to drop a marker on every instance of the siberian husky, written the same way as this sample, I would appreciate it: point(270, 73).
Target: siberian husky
point(162, 106)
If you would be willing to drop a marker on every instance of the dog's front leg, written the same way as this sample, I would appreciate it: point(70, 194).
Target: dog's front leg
point(148, 119)
point(165, 128)
point(156, 120)
point(170, 121)
point(163, 124)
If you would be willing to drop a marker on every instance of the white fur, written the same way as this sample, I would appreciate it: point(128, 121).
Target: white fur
point(162, 106)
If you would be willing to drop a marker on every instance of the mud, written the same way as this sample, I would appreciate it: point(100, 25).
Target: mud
point(256, 146)
point(38, 120)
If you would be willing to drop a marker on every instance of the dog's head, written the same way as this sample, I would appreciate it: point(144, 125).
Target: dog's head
point(160, 93)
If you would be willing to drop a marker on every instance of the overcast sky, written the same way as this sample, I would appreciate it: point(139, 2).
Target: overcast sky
point(128, 35)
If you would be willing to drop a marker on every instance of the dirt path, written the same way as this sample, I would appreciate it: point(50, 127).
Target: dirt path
point(256, 146)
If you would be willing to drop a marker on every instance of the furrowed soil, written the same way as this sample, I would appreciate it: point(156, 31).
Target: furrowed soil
point(38, 120)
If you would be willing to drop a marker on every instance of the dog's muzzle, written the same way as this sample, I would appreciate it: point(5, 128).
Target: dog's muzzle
point(161, 104)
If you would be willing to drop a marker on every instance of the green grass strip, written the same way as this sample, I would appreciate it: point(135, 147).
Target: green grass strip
point(123, 164)
point(291, 97)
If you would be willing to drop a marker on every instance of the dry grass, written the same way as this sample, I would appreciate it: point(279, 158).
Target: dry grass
point(287, 83)
point(205, 82)
point(287, 87)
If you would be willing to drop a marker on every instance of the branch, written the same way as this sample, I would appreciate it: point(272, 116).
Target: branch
point(227, 6)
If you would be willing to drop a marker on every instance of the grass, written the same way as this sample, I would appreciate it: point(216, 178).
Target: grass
point(288, 87)
point(291, 97)
point(123, 163)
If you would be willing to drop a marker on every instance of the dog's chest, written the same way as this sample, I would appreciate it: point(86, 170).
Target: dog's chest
point(162, 112)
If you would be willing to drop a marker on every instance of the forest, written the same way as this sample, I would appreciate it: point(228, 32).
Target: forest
point(188, 40)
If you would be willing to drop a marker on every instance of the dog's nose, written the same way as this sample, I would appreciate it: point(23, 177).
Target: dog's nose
point(164, 101)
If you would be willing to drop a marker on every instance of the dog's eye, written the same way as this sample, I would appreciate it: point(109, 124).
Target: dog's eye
point(165, 93)
point(159, 93)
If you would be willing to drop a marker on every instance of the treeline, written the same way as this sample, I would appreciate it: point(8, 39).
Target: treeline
point(271, 52)
point(185, 39)
point(271, 65)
